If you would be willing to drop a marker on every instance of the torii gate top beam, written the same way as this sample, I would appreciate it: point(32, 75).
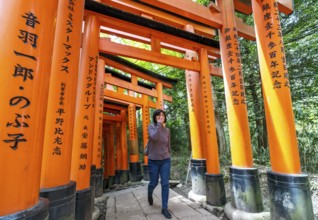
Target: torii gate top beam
point(136, 70)
point(165, 32)
point(190, 12)
point(117, 75)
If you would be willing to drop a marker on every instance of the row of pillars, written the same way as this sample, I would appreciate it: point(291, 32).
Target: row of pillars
point(287, 184)
point(52, 94)
point(120, 163)
point(48, 138)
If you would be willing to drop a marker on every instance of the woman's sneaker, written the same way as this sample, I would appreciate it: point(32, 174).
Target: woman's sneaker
point(166, 213)
point(150, 199)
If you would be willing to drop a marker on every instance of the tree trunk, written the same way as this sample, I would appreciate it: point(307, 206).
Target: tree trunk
point(260, 121)
point(218, 125)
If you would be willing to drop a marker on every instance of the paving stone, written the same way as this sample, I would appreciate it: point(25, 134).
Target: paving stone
point(132, 204)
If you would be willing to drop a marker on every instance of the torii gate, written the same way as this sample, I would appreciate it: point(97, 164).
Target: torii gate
point(131, 101)
point(230, 28)
point(119, 174)
point(32, 55)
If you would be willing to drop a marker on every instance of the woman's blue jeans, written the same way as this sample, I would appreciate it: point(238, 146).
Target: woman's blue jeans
point(162, 168)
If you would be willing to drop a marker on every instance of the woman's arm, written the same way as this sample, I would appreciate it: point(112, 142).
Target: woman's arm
point(169, 146)
point(154, 131)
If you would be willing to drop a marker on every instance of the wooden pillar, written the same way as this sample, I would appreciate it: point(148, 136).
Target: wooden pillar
point(241, 149)
point(145, 136)
point(26, 50)
point(98, 127)
point(212, 154)
point(195, 110)
point(56, 163)
point(284, 155)
point(58, 138)
point(118, 157)
point(124, 149)
point(99, 105)
point(242, 174)
point(106, 153)
point(215, 194)
point(85, 106)
point(118, 146)
point(280, 123)
point(135, 165)
point(160, 103)
point(111, 153)
point(84, 118)
point(198, 160)
point(133, 133)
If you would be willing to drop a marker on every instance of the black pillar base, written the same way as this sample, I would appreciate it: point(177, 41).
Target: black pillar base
point(135, 172)
point(93, 176)
point(124, 178)
point(290, 196)
point(215, 190)
point(99, 182)
point(111, 181)
point(106, 184)
point(36, 212)
point(117, 177)
point(146, 172)
point(93, 182)
point(84, 204)
point(62, 201)
point(245, 190)
point(198, 170)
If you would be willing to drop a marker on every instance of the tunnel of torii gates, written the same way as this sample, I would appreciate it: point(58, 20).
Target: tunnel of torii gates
point(65, 103)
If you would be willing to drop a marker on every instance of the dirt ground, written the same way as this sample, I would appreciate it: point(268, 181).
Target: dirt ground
point(183, 189)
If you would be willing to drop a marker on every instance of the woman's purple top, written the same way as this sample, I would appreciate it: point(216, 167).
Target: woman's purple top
point(159, 142)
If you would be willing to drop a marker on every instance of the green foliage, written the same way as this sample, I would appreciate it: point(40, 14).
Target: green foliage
point(300, 31)
point(202, 2)
point(177, 113)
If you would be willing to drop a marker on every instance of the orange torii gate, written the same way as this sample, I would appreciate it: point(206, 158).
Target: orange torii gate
point(132, 84)
point(230, 28)
point(110, 160)
point(185, 41)
point(118, 116)
point(26, 70)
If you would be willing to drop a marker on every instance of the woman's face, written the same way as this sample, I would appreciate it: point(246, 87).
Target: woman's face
point(160, 117)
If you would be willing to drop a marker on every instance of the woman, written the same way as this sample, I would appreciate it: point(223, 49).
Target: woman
point(159, 159)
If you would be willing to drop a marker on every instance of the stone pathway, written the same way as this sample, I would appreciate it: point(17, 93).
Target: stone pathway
point(132, 204)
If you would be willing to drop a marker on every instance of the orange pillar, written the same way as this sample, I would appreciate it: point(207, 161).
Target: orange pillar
point(145, 124)
point(215, 194)
point(282, 138)
point(241, 171)
point(98, 127)
point(111, 154)
point(280, 123)
point(198, 160)
point(56, 163)
point(118, 154)
point(99, 107)
point(134, 165)
point(57, 151)
point(160, 103)
point(84, 118)
point(124, 149)
point(26, 49)
point(241, 149)
point(106, 153)
point(195, 110)
point(212, 154)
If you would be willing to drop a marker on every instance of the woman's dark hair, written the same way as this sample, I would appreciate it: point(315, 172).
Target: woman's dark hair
point(156, 113)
